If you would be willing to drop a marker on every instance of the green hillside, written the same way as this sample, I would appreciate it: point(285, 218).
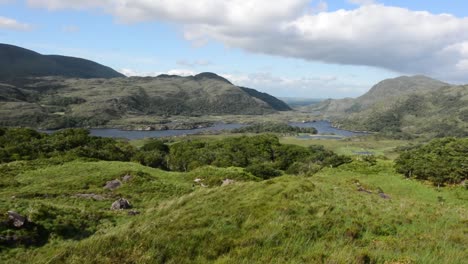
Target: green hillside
point(274, 102)
point(17, 63)
point(439, 113)
point(290, 219)
point(404, 106)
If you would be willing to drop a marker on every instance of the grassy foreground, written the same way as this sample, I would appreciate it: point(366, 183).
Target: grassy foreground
point(290, 219)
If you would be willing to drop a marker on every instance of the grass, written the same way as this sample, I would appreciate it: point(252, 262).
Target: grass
point(351, 146)
point(290, 219)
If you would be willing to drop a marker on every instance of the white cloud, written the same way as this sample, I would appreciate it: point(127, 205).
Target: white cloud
point(11, 24)
point(180, 72)
point(362, 2)
point(69, 4)
point(387, 37)
point(316, 86)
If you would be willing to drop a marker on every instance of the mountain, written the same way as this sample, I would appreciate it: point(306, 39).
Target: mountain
point(405, 105)
point(55, 102)
point(399, 86)
point(17, 63)
point(274, 102)
point(386, 90)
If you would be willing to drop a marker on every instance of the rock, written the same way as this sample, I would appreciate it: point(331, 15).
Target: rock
point(133, 212)
point(198, 180)
point(93, 196)
point(16, 219)
point(203, 185)
point(384, 196)
point(112, 185)
point(227, 182)
point(127, 177)
point(360, 189)
point(121, 204)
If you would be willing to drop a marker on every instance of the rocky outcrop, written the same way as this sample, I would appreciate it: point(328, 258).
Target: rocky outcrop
point(121, 204)
point(227, 182)
point(16, 219)
point(112, 185)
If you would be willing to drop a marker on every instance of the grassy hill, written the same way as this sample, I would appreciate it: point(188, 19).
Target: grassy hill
point(290, 219)
point(54, 102)
point(405, 105)
point(17, 63)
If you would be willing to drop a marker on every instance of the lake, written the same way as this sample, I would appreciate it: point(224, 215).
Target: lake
point(324, 129)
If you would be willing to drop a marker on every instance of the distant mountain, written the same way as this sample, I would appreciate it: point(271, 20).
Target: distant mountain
point(55, 102)
point(403, 105)
point(399, 86)
point(17, 63)
point(386, 90)
point(298, 102)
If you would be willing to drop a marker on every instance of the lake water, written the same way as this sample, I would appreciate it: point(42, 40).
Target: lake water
point(131, 134)
point(324, 128)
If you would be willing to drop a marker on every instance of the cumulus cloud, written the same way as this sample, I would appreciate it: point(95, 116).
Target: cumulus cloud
point(372, 34)
point(12, 24)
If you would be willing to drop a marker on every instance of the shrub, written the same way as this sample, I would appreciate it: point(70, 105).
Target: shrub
point(264, 171)
point(440, 161)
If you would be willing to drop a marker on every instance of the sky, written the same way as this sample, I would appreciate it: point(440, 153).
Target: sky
point(288, 48)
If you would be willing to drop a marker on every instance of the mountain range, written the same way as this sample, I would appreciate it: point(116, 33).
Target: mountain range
point(56, 91)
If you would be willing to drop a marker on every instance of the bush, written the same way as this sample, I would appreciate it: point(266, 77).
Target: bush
point(153, 158)
point(264, 171)
point(440, 161)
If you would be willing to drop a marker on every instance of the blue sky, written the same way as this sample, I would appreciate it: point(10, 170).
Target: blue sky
point(298, 48)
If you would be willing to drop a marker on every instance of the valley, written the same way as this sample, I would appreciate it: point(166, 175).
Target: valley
point(97, 167)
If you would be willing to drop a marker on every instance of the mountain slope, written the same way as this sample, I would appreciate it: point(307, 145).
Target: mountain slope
point(405, 106)
point(399, 86)
point(386, 90)
point(17, 63)
point(439, 113)
point(55, 102)
point(274, 102)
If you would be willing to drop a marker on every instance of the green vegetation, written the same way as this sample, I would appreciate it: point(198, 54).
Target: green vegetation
point(230, 199)
point(274, 102)
point(263, 155)
point(440, 161)
point(404, 108)
point(27, 144)
point(270, 127)
point(287, 219)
